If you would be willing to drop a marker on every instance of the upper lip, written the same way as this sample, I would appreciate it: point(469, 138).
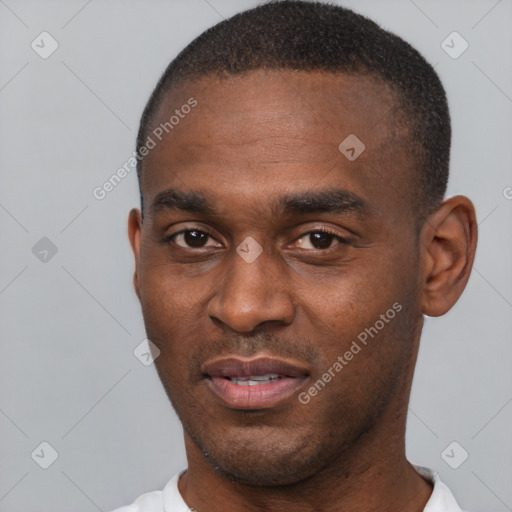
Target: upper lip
point(234, 366)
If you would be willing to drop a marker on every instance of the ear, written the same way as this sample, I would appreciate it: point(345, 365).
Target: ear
point(134, 234)
point(448, 246)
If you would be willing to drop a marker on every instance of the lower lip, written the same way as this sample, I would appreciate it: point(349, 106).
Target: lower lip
point(261, 396)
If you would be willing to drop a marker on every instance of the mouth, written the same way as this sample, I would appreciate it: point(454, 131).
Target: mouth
point(256, 383)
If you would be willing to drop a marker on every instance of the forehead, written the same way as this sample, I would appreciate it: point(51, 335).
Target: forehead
point(314, 107)
point(271, 131)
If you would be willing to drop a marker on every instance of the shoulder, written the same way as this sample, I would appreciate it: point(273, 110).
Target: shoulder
point(166, 500)
point(441, 497)
point(147, 502)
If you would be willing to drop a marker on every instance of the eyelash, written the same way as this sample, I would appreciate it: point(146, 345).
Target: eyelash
point(339, 238)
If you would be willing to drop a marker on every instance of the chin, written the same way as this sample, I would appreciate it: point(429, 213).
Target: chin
point(263, 473)
point(263, 458)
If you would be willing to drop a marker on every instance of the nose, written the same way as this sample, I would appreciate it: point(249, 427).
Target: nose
point(250, 294)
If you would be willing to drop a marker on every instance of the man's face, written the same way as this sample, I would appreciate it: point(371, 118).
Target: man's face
point(261, 151)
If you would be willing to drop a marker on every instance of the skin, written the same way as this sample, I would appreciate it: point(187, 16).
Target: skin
point(251, 140)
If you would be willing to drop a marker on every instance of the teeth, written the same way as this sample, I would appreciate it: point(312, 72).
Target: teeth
point(255, 380)
point(269, 376)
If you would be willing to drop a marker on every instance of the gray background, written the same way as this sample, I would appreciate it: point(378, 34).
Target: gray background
point(69, 325)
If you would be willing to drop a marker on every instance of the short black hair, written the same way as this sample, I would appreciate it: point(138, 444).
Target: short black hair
point(317, 36)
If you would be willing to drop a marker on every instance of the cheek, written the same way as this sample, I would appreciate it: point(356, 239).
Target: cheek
point(167, 306)
point(350, 300)
point(360, 314)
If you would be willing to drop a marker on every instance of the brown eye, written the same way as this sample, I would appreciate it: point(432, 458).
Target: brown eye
point(191, 239)
point(320, 240)
point(195, 238)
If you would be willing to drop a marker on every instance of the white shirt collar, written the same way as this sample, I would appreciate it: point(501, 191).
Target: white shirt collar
point(441, 499)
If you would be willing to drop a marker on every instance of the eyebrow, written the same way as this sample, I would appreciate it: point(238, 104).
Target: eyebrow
point(339, 201)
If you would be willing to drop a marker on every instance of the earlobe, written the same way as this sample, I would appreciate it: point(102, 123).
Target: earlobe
point(134, 234)
point(448, 246)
